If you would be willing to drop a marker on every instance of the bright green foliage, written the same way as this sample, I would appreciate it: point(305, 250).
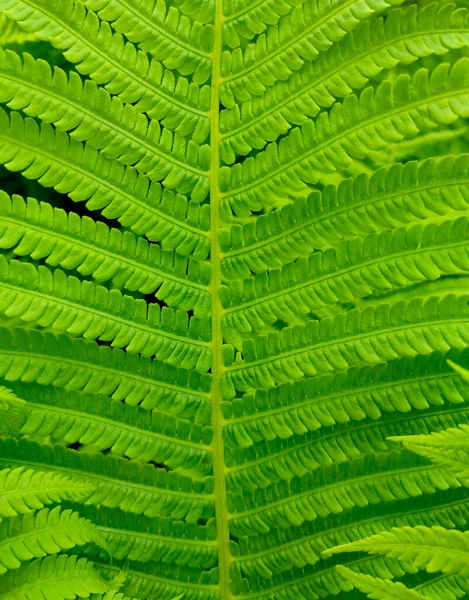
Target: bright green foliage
point(24, 491)
point(379, 589)
point(236, 303)
point(35, 536)
point(431, 548)
point(55, 577)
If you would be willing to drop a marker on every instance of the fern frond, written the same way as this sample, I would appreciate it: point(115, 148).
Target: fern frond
point(445, 585)
point(365, 481)
point(72, 242)
point(46, 532)
point(302, 455)
point(377, 588)
point(115, 63)
point(20, 138)
point(114, 482)
point(298, 36)
point(248, 311)
point(354, 128)
point(86, 175)
point(402, 329)
point(24, 490)
point(98, 424)
point(310, 404)
point(12, 34)
point(11, 412)
point(141, 539)
point(157, 580)
point(53, 578)
point(244, 19)
point(447, 439)
point(415, 192)
point(86, 366)
point(448, 448)
point(281, 550)
point(64, 303)
point(405, 36)
point(107, 124)
point(431, 548)
point(170, 37)
point(356, 269)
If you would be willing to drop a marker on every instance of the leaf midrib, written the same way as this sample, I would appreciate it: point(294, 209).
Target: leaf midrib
point(218, 421)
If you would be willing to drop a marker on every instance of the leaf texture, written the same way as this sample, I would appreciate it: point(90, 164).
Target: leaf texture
point(234, 295)
point(25, 490)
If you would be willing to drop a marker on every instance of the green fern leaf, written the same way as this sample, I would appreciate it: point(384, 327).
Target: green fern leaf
point(53, 577)
point(176, 40)
point(36, 536)
point(404, 37)
point(84, 309)
point(379, 589)
point(24, 490)
point(98, 424)
point(124, 70)
point(431, 548)
point(233, 288)
point(13, 34)
point(90, 247)
point(410, 193)
point(330, 142)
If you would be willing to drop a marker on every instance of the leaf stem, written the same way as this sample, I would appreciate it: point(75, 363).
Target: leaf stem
point(219, 469)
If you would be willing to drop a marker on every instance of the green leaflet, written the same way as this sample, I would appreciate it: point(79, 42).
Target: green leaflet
point(380, 590)
point(66, 240)
point(141, 142)
point(164, 32)
point(120, 67)
point(78, 173)
point(404, 36)
point(24, 490)
point(300, 35)
point(234, 302)
point(404, 194)
point(354, 269)
point(56, 577)
point(47, 532)
point(353, 128)
point(431, 548)
point(133, 487)
point(75, 364)
point(90, 311)
point(98, 424)
point(12, 33)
